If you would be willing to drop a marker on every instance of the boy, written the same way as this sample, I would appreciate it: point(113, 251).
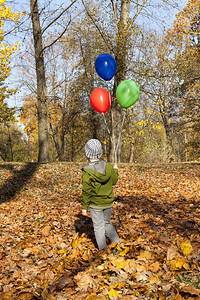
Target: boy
point(98, 179)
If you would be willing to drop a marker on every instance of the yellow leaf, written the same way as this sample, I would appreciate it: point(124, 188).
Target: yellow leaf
point(61, 251)
point(101, 267)
point(113, 293)
point(123, 252)
point(186, 248)
point(83, 239)
point(118, 262)
point(140, 239)
point(75, 241)
point(145, 254)
point(178, 263)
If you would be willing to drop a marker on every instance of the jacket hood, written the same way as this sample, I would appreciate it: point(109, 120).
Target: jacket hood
point(100, 171)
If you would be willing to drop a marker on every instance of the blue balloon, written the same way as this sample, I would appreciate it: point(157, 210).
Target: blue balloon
point(105, 66)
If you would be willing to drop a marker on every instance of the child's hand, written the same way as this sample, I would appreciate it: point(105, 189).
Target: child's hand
point(84, 212)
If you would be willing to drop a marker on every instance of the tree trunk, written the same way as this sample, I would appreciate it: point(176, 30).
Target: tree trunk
point(131, 154)
point(120, 57)
point(10, 145)
point(65, 114)
point(168, 132)
point(54, 125)
point(43, 154)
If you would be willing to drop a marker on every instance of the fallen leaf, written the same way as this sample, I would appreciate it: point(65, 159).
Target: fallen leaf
point(46, 295)
point(145, 254)
point(113, 293)
point(172, 252)
point(186, 248)
point(141, 276)
point(26, 252)
point(190, 289)
point(154, 267)
point(94, 296)
point(61, 283)
point(83, 280)
point(124, 251)
point(141, 268)
point(177, 297)
point(153, 279)
point(129, 265)
point(25, 296)
point(75, 241)
point(46, 230)
point(179, 263)
point(118, 262)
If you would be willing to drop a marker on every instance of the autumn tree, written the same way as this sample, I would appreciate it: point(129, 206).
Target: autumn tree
point(157, 78)
point(6, 52)
point(38, 32)
point(66, 104)
point(185, 42)
point(13, 144)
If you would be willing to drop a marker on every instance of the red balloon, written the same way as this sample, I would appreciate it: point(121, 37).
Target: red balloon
point(100, 100)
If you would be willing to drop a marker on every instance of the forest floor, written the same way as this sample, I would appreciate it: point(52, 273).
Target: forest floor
point(48, 250)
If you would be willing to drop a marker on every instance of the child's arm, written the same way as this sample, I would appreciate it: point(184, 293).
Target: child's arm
point(86, 193)
point(115, 175)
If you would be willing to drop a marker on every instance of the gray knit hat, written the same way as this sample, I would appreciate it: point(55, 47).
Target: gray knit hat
point(93, 149)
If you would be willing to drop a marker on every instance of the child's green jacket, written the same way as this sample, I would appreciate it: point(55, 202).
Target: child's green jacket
point(97, 185)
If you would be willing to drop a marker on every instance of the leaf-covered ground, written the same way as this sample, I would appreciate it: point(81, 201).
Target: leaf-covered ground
point(48, 250)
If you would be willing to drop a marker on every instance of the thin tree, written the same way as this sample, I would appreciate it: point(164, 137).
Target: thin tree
point(43, 154)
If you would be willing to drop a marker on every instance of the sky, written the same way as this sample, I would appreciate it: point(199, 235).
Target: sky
point(23, 5)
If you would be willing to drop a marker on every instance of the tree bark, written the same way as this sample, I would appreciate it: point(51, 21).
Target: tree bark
point(120, 57)
point(131, 154)
point(10, 145)
point(43, 153)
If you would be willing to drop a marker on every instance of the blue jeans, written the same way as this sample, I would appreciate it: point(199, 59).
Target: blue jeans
point(102, 226)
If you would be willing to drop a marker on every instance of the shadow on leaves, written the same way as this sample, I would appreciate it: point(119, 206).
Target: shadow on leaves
point(157, 215)
point(17, 181)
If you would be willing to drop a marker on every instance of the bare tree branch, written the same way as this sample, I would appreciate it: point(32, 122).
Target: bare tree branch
point(137, 13)
point(114, 11)
point(99, 30)
point(48, 46)
point(58, 16)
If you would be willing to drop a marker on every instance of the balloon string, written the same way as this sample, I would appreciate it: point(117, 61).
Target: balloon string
point(113, 138)
point(106, 123)
point(120, 133)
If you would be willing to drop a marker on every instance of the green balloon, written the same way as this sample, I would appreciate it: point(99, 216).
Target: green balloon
point(127, 93)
